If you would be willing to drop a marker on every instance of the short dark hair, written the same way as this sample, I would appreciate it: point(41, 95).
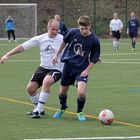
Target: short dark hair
point(84, 21)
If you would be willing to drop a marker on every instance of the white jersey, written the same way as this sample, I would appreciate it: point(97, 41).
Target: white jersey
point(48, 47)
point(116, 24)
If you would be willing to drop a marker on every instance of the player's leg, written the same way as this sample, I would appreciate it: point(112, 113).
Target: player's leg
point(114, 40)
point(118, 35)
point(132, 40)
point(51, 77)
point(8, 34)
point(81, 97)
point(133, 43)
point(13, 34)
point(34, 96)
point(66, 80)
point(34, 84)
point(63, 101)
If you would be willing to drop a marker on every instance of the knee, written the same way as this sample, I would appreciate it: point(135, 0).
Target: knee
point(31, 90)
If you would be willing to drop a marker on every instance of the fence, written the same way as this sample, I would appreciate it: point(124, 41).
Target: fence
point(100, 11)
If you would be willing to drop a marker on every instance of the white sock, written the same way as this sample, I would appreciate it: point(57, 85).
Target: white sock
point(42, 100)
point(35, 99)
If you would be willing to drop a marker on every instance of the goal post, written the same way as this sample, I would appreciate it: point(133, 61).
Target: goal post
point(24, 16)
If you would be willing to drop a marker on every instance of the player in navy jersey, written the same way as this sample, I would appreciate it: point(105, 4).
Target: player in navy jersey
point(133, 29)
point(62, 26)
point(82, 51)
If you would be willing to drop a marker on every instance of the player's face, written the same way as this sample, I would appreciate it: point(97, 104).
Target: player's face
point(53, 30)
point(85, 30)
point(132, 14)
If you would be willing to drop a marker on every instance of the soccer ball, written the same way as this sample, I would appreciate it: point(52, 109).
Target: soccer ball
point(106, 116)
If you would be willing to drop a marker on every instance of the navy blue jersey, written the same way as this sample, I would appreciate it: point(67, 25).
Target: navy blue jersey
point(62, 28)
point(133, 25)
point(80, 50)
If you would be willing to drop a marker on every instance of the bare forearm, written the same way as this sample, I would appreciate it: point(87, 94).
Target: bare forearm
point(16, 50)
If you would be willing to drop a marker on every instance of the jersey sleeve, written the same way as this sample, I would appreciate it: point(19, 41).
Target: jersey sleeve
point(68, 35)
point(33, 42)
point(95, 52)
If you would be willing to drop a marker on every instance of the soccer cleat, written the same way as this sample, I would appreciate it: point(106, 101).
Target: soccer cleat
point(31, 113)
point(36, 115)
point(81, 116)
point(133, 49)
point(58, 114)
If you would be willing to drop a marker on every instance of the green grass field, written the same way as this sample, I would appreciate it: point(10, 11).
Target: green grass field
point(114, 84)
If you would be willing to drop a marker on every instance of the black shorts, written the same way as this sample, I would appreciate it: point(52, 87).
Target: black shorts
point(41, 72)
point(116, 34)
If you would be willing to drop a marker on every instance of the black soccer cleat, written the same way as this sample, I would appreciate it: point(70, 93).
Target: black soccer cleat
point(36, 115)
point(32, 112)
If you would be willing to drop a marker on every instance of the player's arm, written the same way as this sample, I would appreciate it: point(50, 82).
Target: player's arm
point(121, 26)
point(86, 71)
point(94, 58)
point(54, 60)
point(110, 28)
point(16, 50)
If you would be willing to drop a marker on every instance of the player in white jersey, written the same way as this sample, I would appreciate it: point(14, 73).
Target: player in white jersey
point(47, 73)
point(116, 26)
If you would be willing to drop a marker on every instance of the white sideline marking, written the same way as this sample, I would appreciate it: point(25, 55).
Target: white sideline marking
point(23, 60)
point(119, 54)
point(90, 138)
point(114, 62)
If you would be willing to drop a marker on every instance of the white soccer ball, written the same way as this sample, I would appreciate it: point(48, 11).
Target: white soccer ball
point(106, 116)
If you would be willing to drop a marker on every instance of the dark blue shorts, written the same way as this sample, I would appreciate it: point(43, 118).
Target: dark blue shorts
point(71, 74)
point(133, 34)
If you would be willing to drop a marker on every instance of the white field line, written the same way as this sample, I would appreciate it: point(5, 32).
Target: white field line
point(23, 60)
point(122, 59)
point(119, 54)
point(115, 62)
point(90, 138)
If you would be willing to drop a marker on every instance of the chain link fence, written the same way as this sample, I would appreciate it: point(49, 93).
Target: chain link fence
point(101, 12)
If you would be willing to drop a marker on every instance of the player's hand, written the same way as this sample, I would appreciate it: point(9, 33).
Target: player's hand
point(84, 73)
point(110, 33)
point(120, 31)
point(4, 59)
point(99, 61)
point(54, 60)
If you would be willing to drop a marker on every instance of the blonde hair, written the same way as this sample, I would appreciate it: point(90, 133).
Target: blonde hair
point(52, 21)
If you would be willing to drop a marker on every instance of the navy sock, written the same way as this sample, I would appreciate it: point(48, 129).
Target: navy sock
point(63, 101)
point(80, 104)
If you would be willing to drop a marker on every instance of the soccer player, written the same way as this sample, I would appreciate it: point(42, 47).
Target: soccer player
point(133, 29)
point(62, 26)
point(82, 51)
point(116, 26)
point(46, 74)
point(10, 28)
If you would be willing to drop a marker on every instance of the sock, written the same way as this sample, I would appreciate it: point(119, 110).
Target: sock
point(42, 100)
point(80, 104)
point(115, 45)
point(63, 101)
point(133, 44)
point(35, 99)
